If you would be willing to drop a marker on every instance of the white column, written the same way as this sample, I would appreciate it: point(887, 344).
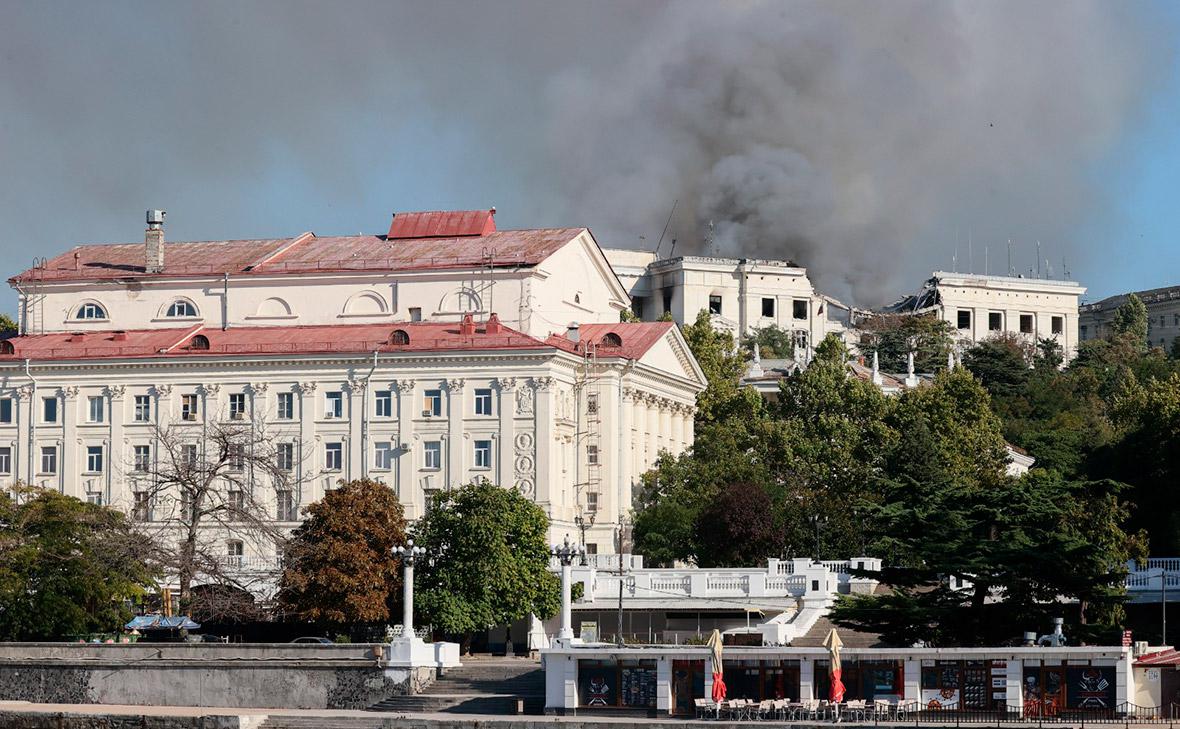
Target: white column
point(26, 402)
point(456, 443)
point(408, 597)
point(505, 458)
point(677, 429)
point(117, 453)
point(355, 466)
point(546, 445)
point(567, 631)
point(309, 490)
point(406, 493)
point(67, 425)
point(626, 448)
point(653, 430)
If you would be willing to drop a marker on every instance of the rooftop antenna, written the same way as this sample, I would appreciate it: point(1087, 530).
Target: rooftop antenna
point(1011, 271)
point(1038, 259)
point(672, 249)
point(970, 254)
point(1064, 270)
point(955, 258)
point(665, 230)
point(985, 260)
point(709, 239)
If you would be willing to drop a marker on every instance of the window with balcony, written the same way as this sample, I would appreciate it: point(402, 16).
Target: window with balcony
point(49, 409)
point(334, 404)
point(94, 459)
point(285, 456)
point(384, 404)
point(234, 551)
point(143, 409)
point(768, 307)
point(286, 406)
point(142, 458)
point(483, 401)
point(432, 403)
point(48, 460)
point(383, 455)
point(432, 454)
point(483, 454)
point(333, 456)
point(237, 405)
point(190, 406)
point(95, 409)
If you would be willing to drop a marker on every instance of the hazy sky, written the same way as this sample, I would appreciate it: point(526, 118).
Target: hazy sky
point(864, 140)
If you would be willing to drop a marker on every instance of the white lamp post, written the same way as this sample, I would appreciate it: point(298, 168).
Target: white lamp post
point(566, 553)
point(408, 554)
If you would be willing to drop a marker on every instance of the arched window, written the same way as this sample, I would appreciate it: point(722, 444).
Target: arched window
point(182, 308)
point(610, 339)
point(399, 336)
point(199, 341)
point(91, 310)
point(7, 348)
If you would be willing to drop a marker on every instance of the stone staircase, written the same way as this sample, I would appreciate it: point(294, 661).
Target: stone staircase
point(479, 686)
point(319, 722)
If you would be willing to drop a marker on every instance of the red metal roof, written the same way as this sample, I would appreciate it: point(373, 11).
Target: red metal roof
point(1168, 657)
point(306, 254)
point(443, 224)
point(636, 338)
point(325, 339)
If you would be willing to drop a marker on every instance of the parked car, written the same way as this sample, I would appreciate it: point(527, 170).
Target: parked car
point(313, 639)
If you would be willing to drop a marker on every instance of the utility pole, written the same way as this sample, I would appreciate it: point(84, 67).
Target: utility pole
point(619, 632)
point(1164, 604)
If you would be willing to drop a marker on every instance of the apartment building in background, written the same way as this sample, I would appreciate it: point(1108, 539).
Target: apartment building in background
point(1163, 315)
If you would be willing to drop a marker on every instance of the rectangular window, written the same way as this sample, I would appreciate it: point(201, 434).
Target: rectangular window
point(6, 410)
point(432, 454)
point(235, 501)
point(384, 404)
point(591, 548)
point(415, 313)
point(189, 406)
point(1176, 320)
point(143, 408)
point(1058, 324)
point(94, 459)
point(995, 321)
point(592, 403)
point(286, 406)
point(142, 510)
point(767, 307)
point(94, 497)
point(48, 459)
point(1026, 323)
point(799, 309)
point(592, 454)
point(285, 456)
point(285, 506)
point(591, 501)
point(333, 456)
point(334, 404)
point(432, 403)
point(714, 304)
point(383, 455)
point(49, 409)
point(637, 306)
point(95, 408)
point(188, 455)
point(483, 401)
point(483, 454)
point(237, 405)
point(143, 458)
point(1162, 323)
point(6, 459)
point(964, 319)
point(667, 296)
point(1083, 330)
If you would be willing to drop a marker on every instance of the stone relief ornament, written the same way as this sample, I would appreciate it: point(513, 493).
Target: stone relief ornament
point(524, 464)
point(524, 401)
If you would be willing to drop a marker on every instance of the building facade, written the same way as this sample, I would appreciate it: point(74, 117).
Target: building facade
point(398, 371)
point(979, 306)
point(743, 295)
point(1163, 315)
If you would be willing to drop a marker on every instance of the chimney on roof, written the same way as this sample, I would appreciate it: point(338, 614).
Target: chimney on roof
point(467, 326)
point(572, 333)
point(494, 326)
point(153, 242)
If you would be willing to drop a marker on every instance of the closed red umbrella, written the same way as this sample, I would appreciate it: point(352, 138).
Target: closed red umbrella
point(834, 644)
point(715, 653)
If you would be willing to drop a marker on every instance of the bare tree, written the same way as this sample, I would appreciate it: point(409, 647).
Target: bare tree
point(203, 493)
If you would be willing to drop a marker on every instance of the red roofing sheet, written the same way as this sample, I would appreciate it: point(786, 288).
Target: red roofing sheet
point(503, 249)
point(636, 338)
point(325, 339)
point(1169, 657)
point(443, 224)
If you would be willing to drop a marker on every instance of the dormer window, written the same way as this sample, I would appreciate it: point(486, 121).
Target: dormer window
point(199, 341)
point(610, 339)
point(182, 308)
point(91, 310)
point(399, 336)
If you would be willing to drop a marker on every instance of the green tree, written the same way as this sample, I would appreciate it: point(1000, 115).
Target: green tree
point(339, 566)
point(66, 567)
point(723, 364)
point(773, 342)
point(7, 325)
point(1001, 363)
point(626, 315)
point(1131, 319)
point(737, 528)
point(490, 558)
point(893, 336)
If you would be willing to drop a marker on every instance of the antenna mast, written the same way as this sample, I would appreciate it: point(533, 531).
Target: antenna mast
point(665, 230)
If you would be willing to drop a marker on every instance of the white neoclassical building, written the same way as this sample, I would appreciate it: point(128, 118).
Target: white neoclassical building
point(374, 356)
